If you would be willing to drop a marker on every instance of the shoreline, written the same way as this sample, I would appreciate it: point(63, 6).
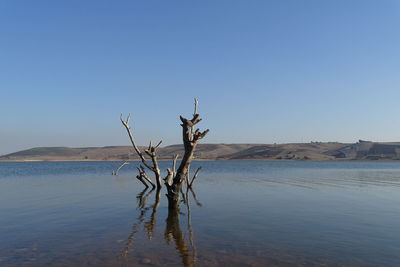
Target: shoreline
point(138, 160)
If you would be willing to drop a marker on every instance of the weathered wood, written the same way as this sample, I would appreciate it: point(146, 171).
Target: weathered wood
point(194, 177)
point(140, 178)
point(169, 177)
point(117, 170)
point(144, 177)
point(175, 177)
point(174, 164)
point(151, 152)
point(190, 141)
point(128, 129)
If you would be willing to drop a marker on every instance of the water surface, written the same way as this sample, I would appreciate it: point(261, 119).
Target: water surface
point(244, 214)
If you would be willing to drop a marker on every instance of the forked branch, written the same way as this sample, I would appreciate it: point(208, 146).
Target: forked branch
point(142, 176)
point(190, 183)
point(150, 151)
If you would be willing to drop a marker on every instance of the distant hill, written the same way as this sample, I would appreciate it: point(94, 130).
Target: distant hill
point(362, 150)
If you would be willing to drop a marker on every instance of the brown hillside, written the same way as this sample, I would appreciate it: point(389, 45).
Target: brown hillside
point(362, 150)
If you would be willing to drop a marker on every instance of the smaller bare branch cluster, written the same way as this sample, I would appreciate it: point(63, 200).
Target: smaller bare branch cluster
point(151, 151)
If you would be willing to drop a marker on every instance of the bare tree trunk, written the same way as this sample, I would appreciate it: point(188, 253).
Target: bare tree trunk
point(190, 141)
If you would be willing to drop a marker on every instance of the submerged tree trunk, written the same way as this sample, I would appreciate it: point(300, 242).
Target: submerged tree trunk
point(190, 141)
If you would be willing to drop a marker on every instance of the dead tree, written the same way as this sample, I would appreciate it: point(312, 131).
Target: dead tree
point(174, 178)
point(151, 151)
point(191, 138)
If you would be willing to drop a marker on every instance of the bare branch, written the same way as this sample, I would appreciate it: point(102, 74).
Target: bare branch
point(174, 164)
point(187, 179)
point(194, 177)
point(140, 178)
point(128, 129)
point(192, 122)
point(151, 151)
point(158, 144)
point(122, 165)
point(143, 176)
point(196, 103)
point(168, 178)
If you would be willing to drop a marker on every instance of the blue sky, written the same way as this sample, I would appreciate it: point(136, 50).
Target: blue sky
point(264, 71)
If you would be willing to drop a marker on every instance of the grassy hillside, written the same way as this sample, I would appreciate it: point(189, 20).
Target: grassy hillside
point(361, 150)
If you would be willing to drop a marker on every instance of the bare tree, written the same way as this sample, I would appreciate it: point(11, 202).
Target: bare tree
point(190, 140)
point(174, 178)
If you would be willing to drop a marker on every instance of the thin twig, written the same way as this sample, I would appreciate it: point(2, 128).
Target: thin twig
point(174, 164)
point(194, 176)
point(196, 103)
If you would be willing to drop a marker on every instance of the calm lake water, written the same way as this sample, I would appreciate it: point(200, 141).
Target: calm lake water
point(241, 214)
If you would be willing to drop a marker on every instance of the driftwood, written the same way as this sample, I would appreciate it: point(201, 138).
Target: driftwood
point(117, 170)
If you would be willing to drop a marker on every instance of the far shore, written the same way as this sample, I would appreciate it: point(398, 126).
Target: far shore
point(138, 160)
point(313, 151)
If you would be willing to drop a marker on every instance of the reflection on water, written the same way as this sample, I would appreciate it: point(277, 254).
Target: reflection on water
point(141, 204)
point(240, 214)
point(173, 232)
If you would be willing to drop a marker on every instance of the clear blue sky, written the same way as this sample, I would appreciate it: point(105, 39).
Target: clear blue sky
point(264, 71)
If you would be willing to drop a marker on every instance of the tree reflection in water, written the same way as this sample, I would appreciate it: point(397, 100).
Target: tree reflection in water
point(173, 232)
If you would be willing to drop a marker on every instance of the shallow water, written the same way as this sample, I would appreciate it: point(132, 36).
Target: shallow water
point(244, 214)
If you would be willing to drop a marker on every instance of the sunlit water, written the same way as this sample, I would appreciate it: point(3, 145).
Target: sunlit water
point(244, 214)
